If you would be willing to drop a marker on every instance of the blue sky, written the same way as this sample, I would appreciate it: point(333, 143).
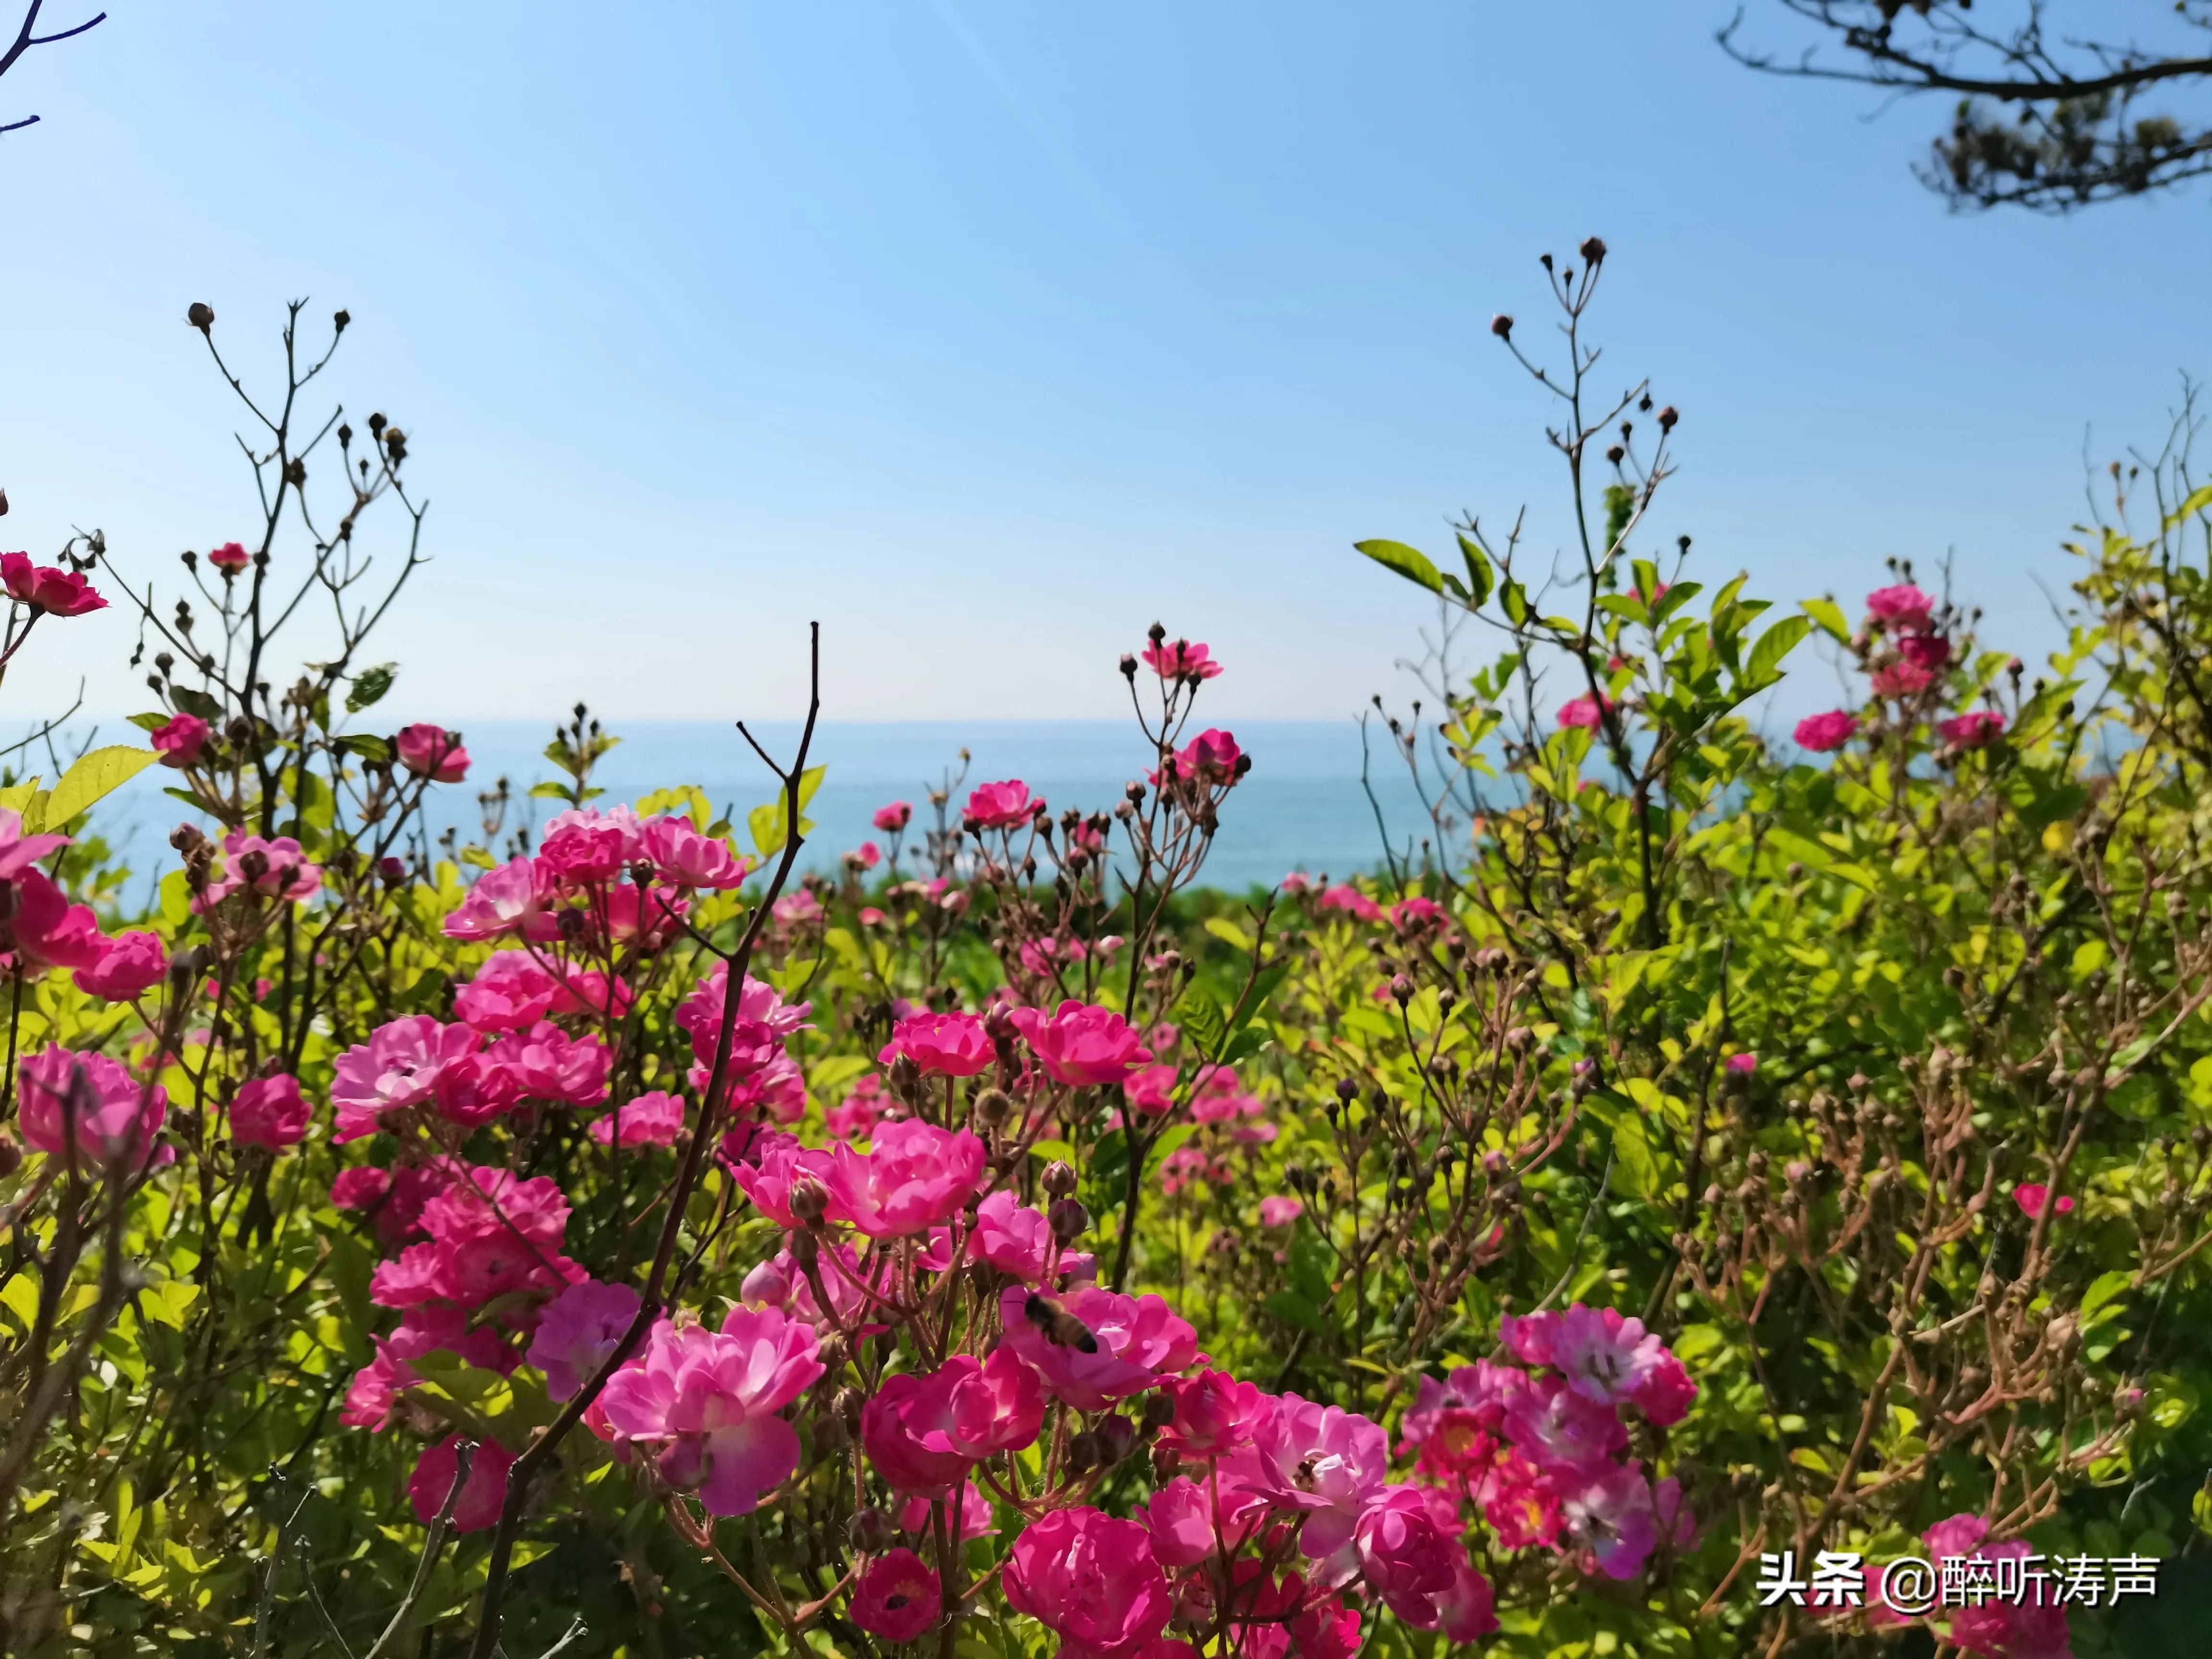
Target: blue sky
point(987, 332)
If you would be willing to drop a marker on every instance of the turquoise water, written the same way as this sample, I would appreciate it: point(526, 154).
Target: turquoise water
point(1300, 808)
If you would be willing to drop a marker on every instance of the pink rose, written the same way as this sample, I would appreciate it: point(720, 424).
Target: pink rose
point(275, 869)
point(651, 1120)
point(481, 1499)
point(1001, 806)
point(895, 817)
point(1976, 729)
point(1081, 1045)
point(433, 752)
point(399, 1065)
point(682, 857)
point(47, 930)
point(2032, 1195)
point(269, 1111)
point(1091, 1580)
point(897, 1597)
point(510, 992)
point(923, 1433)
point(1279, 1210)
point(576, 1331)
point(130, 965)
point(1904, 607)
point(88, 1104)
point(913, 1176)
point(942, 1045)
point(179, 740)
point(1823, 734)
point(45, 588)
point(230, 558)
point(1132, 1342)
point(1585, 712)
point(1182, 660)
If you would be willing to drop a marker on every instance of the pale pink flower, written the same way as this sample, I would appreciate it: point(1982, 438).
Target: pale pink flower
point(89, 1105)
point(797, 911)
point(398, 1066)
point(274, 869)
point(576, 1331)
point(913, 1176)
point(1001, 806)
point(655, 1119)
point(433, 752)
point(1091, 1580)
point(1081, 1045)
point(269, 1111)
point(1562, 1430)
point(179, 740)
point(512, 899)
point(1136, 1342)
point(1823, 734)
point(898, 1598)
point(1609, 1514)
point(1323, 1462)
point(1604, 1358)
point(705, 1403)
point(943, 1045)
point(764, 1020)
point(1279, 1210)
point(130, 965)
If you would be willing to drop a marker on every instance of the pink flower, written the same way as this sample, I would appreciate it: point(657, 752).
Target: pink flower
point(913, 1176)
point(511, 899)
point(1931, 652)
point(1009, 1236)
point(973, 1503)
point(374, 1393)
point(1417, 1564)
point(1604, 1358)
point(576, 1331)
point(869, 854)
point(682, 857)
point(474, 1090)
point(47, 930)
point(399, 1065)
point(1213, 757)
point(1001, 806)
point(1180, 1517)
point(130, 965)
point(510, 992)
point(1585, 712)
point(764, 1020)
point(230, 558)
point(1354, 902)
point(433, 752)
point(269, 1111)
point(1903, 607)
point(1742, 1064)
point(652, 1120)
point(854, 1117)
point(43, 588)
point(1325, 1463)
point(1080, 1045)
point(923, 1433)
point(179, 740)
point(481, 1499)
point(1214, 1413)
point(799, 909)
point(1901, 680)
point(18, 852)
point(2032, 1195)
point(897, 1597)
point(1091, 1580)
point(1610, 1514)
point(274, 869)
point(772, 1166)
point(942, 1045)
point(1279, 1210)
point(706, 1403)
point(583, 845)
point(88, 1104)
point(895, 817)
point(1134, 1340)
point(360, 1188)
point(1562, 1430)
point(548, 1064)
point(1180, 659)
point(1977, 729)
point(1151, 1088)
point(1823, 734)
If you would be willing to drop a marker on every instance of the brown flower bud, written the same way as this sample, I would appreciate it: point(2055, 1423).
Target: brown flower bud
point(1501, 326)
point(1059, 1179)
point(1593, 251)
point(1070, 1220)
point(809, 1201)
point(339, 319)
point(992, 1106)
point(201, 317)
point(1667, 416)
point(870, 1531)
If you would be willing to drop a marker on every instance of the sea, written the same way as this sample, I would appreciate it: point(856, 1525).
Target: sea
point(1301, 806)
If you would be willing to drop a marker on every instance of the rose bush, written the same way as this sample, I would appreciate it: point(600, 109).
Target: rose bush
point(598, 1237)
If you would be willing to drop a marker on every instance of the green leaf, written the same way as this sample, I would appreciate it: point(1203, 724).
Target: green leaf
point(1480, 580)
point(770, 823)
point(368, 748)
point(1407, 562)
point(369, 686)
point(1199, 1017)
point(93, 777)
point(1636, 1172)
point(1830, 615)
point(2107, 1289)
point(1776, 643)
point(1294, 1310)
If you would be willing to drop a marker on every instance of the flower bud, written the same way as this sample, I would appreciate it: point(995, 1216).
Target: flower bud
point(809, 1201)
point(1070, 1220)
point(1501, 326)
point(870, 1531)
point(339, 319)
point(992, 1106)
point(1128, 666)
point(766, 1286)
point(1667, 416)
point(1159, 1410)
point(1117, 1438)
point(1593, 251)
point(1401, 987)
point(201, 317)
point(1059, 1180)
point(848, 1404)
point(1084, 1452)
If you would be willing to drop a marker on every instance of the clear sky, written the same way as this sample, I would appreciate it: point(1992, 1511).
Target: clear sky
point(988, 332)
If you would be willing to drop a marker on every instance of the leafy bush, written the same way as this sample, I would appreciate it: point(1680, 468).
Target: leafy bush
point(1700, 1148)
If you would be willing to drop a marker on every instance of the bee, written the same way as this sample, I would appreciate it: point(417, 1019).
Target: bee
point(1060, 1328)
